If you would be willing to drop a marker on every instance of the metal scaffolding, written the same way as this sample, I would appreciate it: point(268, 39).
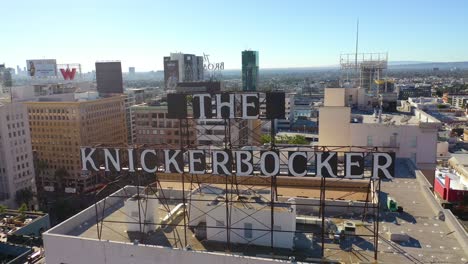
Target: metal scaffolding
point(235, 186)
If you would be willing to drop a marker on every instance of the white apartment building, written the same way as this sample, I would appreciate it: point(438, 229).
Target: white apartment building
point(410, 136)
point(16, 157)
point(459, 101)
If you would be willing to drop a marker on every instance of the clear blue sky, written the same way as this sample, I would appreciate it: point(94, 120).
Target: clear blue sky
point(286, 33)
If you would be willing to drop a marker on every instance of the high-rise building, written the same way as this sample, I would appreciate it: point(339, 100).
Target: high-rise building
point(16, 157)
point(130, 100)
point(179, 67)
point(109, 77)
point(6, 80)
point(58, 129)
point(131, 71)
point(249, 70)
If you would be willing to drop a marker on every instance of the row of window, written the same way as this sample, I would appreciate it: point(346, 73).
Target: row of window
point(51, 111)
point(15, 125)
point(14, 117)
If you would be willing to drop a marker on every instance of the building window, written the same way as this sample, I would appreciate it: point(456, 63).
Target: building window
point(414, 142)
point(370, 142)
point(248, 230)
point(219, 223)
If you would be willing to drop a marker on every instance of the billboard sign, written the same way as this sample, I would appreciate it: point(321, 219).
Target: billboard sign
point(68, 74)
point(69, 70)
point(171, 73)
point(42, 68)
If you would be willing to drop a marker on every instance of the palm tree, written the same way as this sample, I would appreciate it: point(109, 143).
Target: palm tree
point(24, 196)
point(41, 166)
point(2, 209)
point(22, 209)
point(59, 175)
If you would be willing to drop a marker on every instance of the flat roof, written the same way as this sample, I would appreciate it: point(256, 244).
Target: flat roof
point(430, 240)
point(397, 119)
point(355, 194)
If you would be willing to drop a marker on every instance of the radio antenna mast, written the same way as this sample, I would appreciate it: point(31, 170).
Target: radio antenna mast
point(357, 44)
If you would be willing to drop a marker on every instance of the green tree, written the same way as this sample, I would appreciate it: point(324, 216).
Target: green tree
point(22, 209)
point(2, 209)
point(41, 166)
point(298, 140)
point(284, 139)
point(265, 138)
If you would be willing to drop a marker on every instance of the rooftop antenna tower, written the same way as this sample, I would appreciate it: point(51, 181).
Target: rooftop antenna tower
point(357, 45)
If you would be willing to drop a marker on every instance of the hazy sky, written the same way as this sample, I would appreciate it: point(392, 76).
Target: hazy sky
point(286, 33)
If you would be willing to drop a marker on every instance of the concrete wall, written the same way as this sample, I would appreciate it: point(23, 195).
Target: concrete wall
point(67, 249)
point(334, 126)
point(260, 219)
point(308, 206)
point(35, 228)
point(442, 149)
point(425, 148)
point(335, 97)
point(89, 214)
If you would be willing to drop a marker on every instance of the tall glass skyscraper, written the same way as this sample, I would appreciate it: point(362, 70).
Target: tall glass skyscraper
point(249, 70)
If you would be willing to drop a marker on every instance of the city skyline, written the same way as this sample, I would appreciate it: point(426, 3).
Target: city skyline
point(302, 34)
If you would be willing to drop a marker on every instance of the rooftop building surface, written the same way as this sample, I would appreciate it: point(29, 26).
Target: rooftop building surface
point(396, 119)
point(13, 222)
point(457, 182)
point(432, 239)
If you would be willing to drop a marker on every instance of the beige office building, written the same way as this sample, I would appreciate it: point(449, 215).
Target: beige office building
point(58, 129)
point(409, 136)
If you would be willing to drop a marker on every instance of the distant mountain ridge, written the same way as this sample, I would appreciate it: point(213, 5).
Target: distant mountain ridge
point(428, 65)
point(392, 65)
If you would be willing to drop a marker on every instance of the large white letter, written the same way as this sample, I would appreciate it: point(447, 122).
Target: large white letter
point(171, 160)
point(131, 161)
point(201, 98)
point(87, 158)
point(115, 162)
point(325, 164)
point(291, 164)
point(246, 105)
point(220, 105)
point(384, 168)
point(143, 163)
point(247, 161)
point(276, 163)
point(193, 160)
point(221, 163)
point(349, 165)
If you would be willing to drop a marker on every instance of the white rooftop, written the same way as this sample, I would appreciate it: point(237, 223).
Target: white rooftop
point(395, 119)
point(456, 181)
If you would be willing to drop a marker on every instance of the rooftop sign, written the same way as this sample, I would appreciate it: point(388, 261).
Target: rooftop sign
point(265, 163)
point(237, 162)
point(227, 105)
